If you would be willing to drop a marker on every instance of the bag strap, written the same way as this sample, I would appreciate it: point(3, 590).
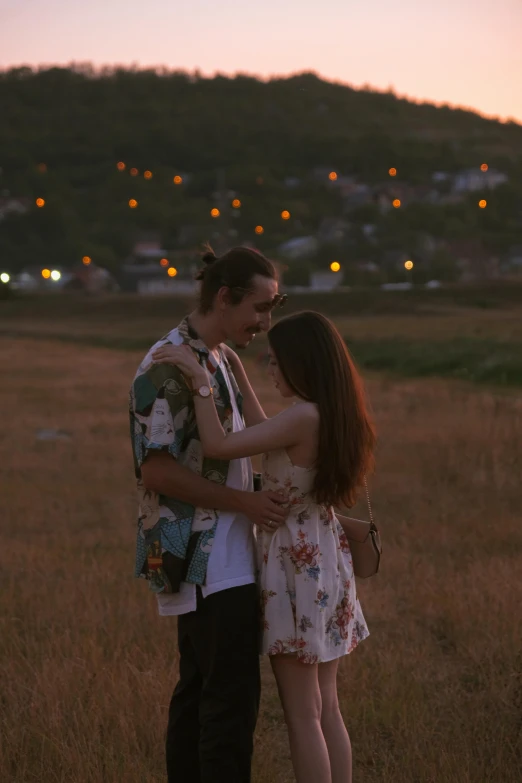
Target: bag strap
point(368, 501)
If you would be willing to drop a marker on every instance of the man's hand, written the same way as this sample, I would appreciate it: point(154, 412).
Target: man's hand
point(265, 509)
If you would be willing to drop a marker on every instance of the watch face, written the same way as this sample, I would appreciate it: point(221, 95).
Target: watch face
point(204, 391)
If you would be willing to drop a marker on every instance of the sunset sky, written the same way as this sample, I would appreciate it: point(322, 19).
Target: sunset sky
point(464, 52)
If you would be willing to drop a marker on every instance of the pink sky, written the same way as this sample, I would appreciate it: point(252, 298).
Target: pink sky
point(464, 52)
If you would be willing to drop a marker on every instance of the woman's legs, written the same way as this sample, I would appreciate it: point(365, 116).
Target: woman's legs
point(298, 687)
point(334, 730)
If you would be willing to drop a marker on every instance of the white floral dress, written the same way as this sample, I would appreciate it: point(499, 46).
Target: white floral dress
point(308, 593)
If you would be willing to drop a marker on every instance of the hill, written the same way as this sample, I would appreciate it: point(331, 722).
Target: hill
point(63, 131)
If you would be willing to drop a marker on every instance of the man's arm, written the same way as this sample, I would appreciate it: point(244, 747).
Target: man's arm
point(161, 473)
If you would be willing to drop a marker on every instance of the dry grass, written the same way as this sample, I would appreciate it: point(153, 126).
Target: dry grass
point(94, 319)
point(87, 667)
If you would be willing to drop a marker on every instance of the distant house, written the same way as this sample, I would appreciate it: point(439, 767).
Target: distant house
point(92, 279)
point(299, 247)
point(440, 176)
point(13, 206)
point(332, 229)
point(513, 259)
point(472, 180)
point(325, 281)
point(145, 270)
point(355, 195)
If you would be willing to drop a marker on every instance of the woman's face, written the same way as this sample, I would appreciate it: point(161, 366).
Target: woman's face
point(276, 375)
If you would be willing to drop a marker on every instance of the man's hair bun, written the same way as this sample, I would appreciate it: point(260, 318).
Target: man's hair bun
point(208, 258)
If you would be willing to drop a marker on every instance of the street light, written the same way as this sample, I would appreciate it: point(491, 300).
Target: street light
point(40, 202)
point(236, 203)
point(408, 265)
point(55, 275)
point(392, 172)
point(285, 214)
point(483, 203)
point(46, 274)
point(396, 203)
point(172, 271)
point(484, 167)
point(164, 261)
point(133, 203)
point(332, 176)
point(259, 230)
point(215, 213)
point(120, 166)
point(134, 172)
point(86, 260)
point(335, 266)
point(177, 180)
point(147, 174)
point(4, 277)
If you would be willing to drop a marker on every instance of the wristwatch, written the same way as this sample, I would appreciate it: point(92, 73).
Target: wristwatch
point(202, 391)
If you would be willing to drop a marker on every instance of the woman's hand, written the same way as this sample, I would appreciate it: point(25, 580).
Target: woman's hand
point(183, 357)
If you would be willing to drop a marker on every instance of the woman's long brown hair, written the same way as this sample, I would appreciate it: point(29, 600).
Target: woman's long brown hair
point(317, 366)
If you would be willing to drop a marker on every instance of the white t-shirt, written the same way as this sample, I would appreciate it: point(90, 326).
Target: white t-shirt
point(231, 559)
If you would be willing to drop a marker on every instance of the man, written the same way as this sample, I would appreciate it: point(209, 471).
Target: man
point(195, 540)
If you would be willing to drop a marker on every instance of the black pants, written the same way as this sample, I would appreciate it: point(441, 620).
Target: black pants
point(213, 711)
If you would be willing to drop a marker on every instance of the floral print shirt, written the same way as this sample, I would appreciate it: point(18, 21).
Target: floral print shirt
point(174, 539)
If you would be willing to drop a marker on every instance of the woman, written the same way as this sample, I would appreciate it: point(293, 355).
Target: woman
point(317, 452)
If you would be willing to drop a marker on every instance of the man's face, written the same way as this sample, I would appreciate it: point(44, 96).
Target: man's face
point(253, 315)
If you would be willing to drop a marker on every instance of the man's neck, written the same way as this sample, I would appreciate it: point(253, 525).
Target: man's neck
point(208, 328)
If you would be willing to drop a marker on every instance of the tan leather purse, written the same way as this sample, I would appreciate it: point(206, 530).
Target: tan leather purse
point(364, 540)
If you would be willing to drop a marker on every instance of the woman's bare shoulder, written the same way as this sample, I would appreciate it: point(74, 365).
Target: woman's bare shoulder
point(302, 412)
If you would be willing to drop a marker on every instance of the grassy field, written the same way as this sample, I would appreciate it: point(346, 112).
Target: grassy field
point(472, 333)
point(87, 667)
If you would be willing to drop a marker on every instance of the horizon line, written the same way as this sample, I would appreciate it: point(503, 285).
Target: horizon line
point(164, 70)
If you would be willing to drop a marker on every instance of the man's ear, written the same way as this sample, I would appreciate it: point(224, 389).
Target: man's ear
point(223, 298)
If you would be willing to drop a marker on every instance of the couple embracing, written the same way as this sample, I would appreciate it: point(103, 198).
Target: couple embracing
point(250, 572)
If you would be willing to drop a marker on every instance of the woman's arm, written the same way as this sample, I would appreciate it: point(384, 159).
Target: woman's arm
point(279, 432)
point(286, 429)
point(252, 410)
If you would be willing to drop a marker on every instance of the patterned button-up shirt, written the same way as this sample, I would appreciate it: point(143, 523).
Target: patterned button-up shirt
point(175, 538)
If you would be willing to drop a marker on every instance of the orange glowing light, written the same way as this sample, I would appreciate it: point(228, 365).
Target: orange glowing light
point(408, 265)
point(42, 168)
point(164, 262)
point(177, 180)
point(484, 167)
point(120, 166)
point(236, 203)
point(392, 172)
point(134, 172)
point(133, 203)
point(86, 260)
point(285, 214)
point(396, 203)
point(46, 274)
point(332, 176)
point(215, 213)
point(40, 202)
point(259, 230)
point(483, 203)
point(172, 271)
point(147, 174)
point(335, 266)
